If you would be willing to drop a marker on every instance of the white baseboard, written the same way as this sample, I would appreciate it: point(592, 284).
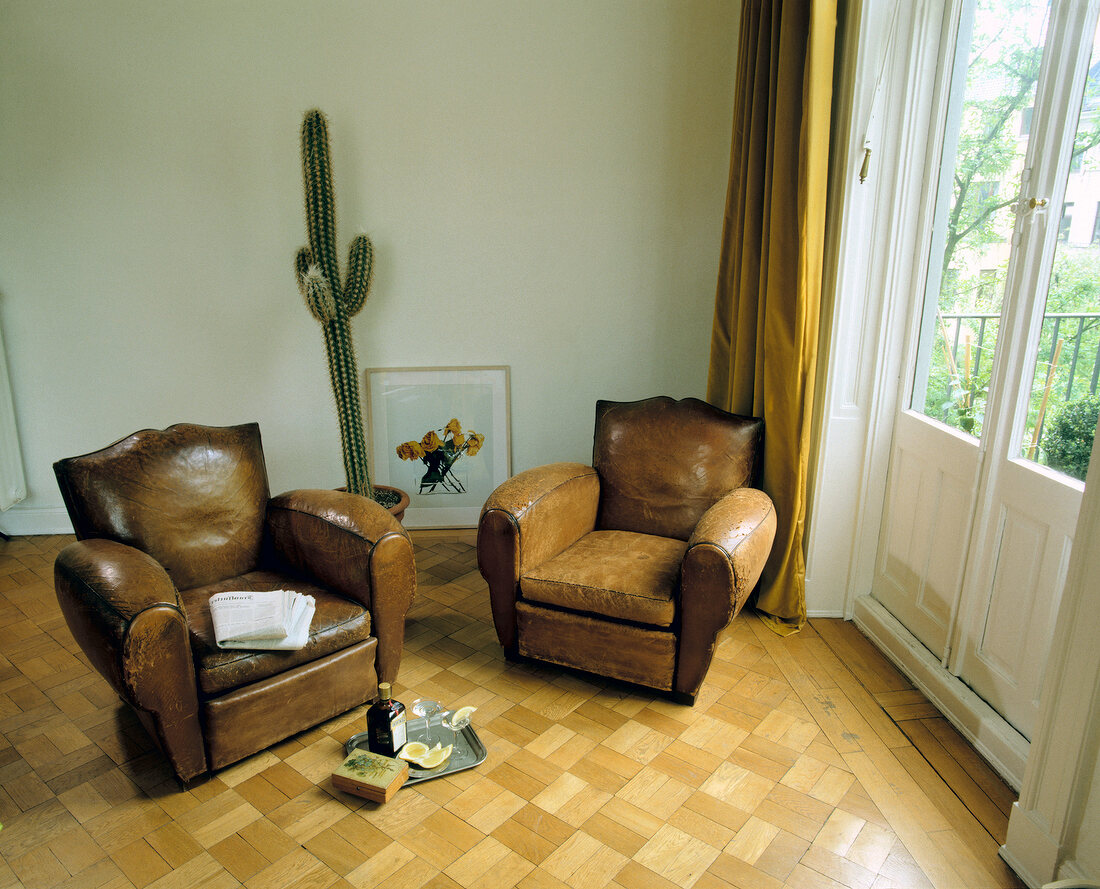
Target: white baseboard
point(1074, 870)
point(23, 521)
point(1004, 748)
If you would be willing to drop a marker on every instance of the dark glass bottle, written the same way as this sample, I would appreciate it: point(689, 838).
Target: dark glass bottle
point(386, 723)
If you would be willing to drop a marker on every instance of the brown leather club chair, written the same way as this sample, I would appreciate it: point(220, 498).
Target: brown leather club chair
point(166, 518)
point(630, 568)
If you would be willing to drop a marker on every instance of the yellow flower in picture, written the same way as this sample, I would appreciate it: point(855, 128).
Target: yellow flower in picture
point(439, 456)
point(410, 450)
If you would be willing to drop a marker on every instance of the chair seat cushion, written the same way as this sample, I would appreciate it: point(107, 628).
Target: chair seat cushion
point(617, 574)
point(337, 623)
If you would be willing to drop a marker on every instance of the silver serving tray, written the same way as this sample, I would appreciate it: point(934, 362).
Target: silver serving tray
point(468, 749)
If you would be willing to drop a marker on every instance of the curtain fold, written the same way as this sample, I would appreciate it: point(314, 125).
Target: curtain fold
point(764, 340)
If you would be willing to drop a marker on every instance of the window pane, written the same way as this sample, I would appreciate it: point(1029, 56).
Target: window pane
point(1062, 413)
point(984, 148)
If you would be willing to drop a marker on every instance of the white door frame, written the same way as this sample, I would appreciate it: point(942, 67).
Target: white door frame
point(871, 255)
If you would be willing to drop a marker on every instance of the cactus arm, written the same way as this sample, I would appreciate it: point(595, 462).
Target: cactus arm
point(318, 295)
point(303, 259)
point(360, 269)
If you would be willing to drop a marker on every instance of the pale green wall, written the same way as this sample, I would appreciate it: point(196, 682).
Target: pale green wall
point(543, 181)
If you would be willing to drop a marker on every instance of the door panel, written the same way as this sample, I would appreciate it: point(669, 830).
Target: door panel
point(1017, 596)
point(1010, 600)
point(930, 503)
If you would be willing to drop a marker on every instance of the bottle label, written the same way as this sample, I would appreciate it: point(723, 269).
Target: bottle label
point(399, 734)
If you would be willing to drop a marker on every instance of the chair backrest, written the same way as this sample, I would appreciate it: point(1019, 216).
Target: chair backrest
point(192, 497)
point(663, 463)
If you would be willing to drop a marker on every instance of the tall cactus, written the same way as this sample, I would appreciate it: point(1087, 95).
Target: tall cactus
point(329, 301)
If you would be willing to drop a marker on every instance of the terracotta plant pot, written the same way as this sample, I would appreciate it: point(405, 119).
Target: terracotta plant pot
point(398, 509)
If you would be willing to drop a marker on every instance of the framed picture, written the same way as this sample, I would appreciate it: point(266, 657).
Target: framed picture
point(441, 435)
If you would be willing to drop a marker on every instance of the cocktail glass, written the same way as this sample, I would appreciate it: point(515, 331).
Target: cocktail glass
point(456, 721)
point(426, 708)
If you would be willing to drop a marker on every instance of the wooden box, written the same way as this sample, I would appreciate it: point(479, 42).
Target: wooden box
point(371, 775)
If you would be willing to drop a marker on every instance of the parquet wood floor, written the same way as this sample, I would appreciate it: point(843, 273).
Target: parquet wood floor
point(807, 763)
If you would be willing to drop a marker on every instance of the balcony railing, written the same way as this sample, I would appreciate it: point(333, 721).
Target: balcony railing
point(1068, 366)
point(1063, 333)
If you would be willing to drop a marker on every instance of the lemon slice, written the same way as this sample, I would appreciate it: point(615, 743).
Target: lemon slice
point(462, 714)
point(413, 751)
point(423, 756)
point(435, 757)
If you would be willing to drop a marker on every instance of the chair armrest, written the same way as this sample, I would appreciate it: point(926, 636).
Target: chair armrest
point(355, 547)
point(125, 614)
point(741, 527)
point(725, 557)
point(527, 520)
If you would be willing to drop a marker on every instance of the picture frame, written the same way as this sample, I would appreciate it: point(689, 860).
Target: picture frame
point(447, 484)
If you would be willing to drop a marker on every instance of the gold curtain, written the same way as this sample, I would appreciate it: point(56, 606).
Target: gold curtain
point(764, 342)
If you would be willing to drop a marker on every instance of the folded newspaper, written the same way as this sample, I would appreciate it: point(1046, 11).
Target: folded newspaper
point(272, 619)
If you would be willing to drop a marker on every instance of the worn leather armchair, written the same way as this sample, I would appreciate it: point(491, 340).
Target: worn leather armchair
point(631, 567)
point(166, 518)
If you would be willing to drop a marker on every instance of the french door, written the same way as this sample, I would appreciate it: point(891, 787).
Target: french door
point(999, 397)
